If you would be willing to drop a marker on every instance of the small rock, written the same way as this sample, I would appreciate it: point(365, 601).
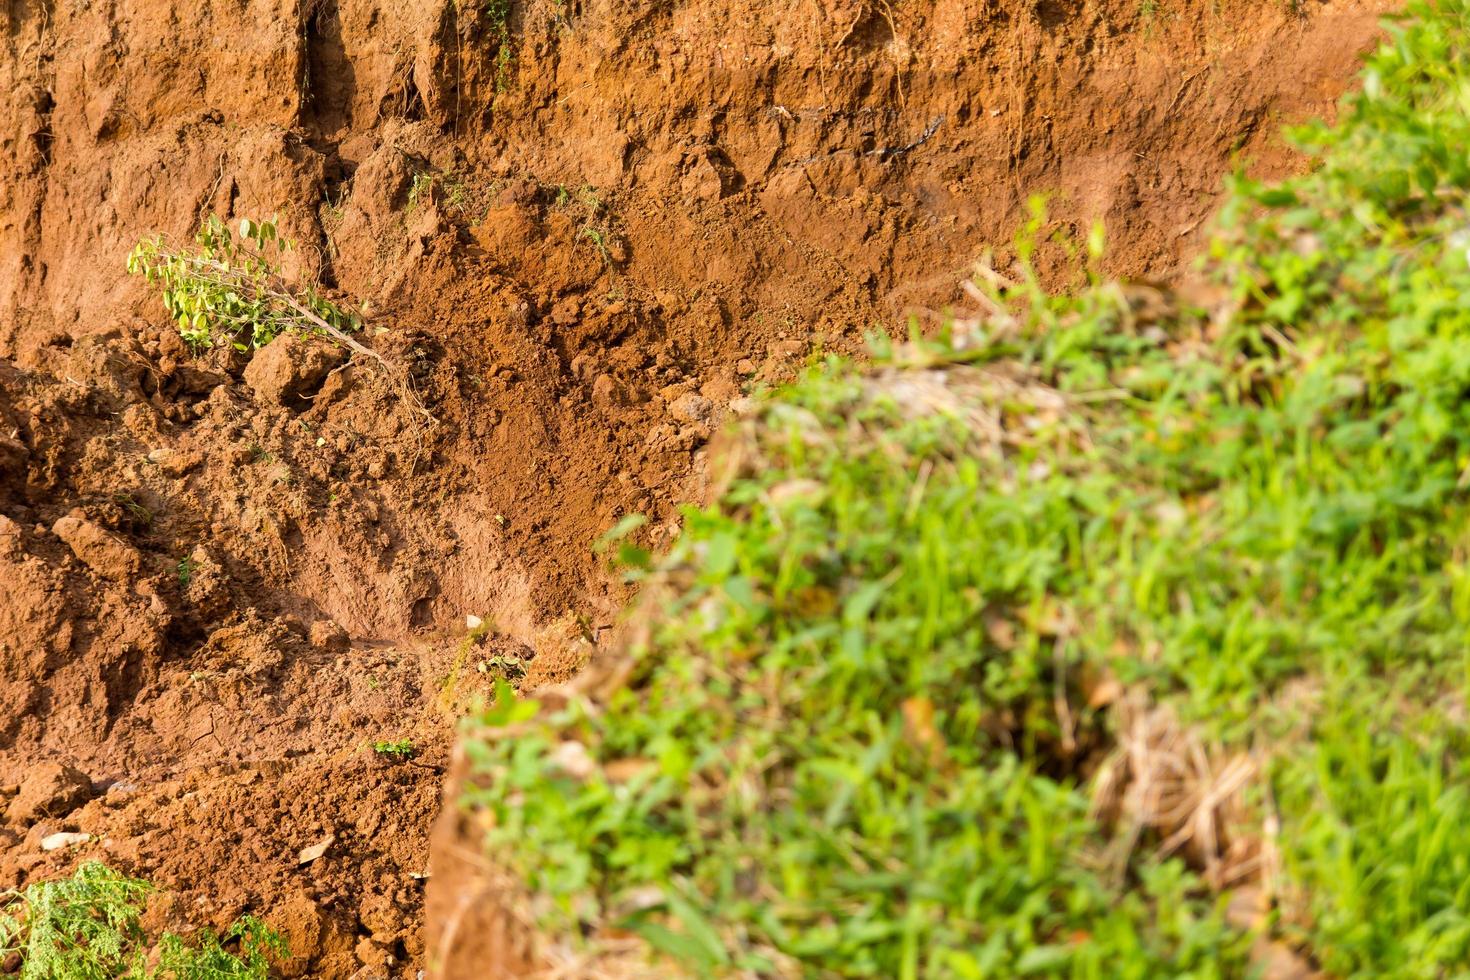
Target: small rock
point(57, 841)
point(49, 790)
point(691, 408)
point(745, 366)
point(327, 635)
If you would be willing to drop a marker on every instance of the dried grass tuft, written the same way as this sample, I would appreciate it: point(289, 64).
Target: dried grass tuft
point(1163, 781)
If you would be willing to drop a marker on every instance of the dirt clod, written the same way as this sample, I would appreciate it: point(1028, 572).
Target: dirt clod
point(313, 937)
point(51, 789)
point(102, 552)
point(290, 368)
point(691, 408)
point(327, 635)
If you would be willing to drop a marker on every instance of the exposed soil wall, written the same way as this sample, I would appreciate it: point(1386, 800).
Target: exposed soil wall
point(586, 228)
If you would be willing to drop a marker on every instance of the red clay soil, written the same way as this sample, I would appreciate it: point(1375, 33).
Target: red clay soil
point(585, 231)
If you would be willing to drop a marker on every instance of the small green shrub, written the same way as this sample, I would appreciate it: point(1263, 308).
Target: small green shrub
point(399, 750)
point(208, 959)
point(87, 927)
point(230, 291)
point(497, 12)
point(420, 190)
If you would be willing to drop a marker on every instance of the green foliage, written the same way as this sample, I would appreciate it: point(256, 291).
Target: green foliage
point(132, 507)
point(230, 291)
point(854, 742)
point(80, 928)
point(815, 729)
point(87, 927)
point(1377, 840)
point(421, 189)
point(399, 750)
point(208, 959)
point(592, 211)
point(498, 13)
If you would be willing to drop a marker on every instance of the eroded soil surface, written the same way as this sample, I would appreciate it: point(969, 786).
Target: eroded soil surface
point(586, 230)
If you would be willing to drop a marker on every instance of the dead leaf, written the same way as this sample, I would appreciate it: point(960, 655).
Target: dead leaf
point(573, 759)
point(797, 489)
point(622, 770)
point(1100, 687)
point(1002, 632)
point(1248, 908)
point(310, 854)
point(1278, 961)
point(813, 601)
point(919, 727)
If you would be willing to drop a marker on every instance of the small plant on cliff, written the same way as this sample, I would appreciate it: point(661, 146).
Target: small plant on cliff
point(446, 188)
point(230, 291)
point(88, 927)
point(498, 12)
point(421, 190)
point(397, 751)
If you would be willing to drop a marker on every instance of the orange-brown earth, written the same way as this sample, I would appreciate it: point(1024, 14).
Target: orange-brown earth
point(585, 230)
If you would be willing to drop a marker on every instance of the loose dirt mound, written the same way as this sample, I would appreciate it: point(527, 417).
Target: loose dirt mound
point(586, 228)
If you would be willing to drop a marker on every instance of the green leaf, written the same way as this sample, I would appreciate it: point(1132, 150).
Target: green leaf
point(624, 527)
point(682, 947)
